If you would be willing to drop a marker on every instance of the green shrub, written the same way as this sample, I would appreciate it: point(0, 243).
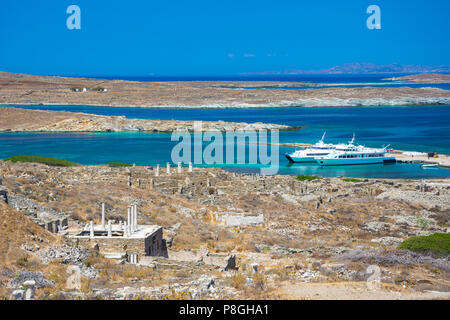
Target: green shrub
point(119, 164)
point(437, 244)
point(44, 160)
point(305, 177)
point(352, 180)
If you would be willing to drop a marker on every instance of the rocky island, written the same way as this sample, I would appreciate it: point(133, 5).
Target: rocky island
point(29, 89)
point(424, 78)
point(23, 120)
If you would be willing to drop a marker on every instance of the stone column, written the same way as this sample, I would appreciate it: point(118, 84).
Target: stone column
point(125, 229)
point(168, 168)
point(128, 216)
point(133, 221)
point(131, 218)
point(103, 215)
point(109, 229)
point(190, 167)
point(135, 216)
point(180, 168)
point(91, 229)
point(157, 171)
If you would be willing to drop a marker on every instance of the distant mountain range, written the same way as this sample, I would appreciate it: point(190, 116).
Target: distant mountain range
point(361, 68)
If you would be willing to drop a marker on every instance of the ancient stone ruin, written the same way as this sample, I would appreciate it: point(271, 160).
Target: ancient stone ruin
point(128, 240)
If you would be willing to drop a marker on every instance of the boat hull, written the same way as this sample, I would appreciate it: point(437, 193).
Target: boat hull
point(299, 160)
point(356, 161)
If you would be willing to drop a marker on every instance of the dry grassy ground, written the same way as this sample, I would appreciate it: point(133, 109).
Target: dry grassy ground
point(317, 240)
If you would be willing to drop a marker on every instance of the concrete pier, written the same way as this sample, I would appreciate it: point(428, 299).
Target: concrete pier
point(442, 160)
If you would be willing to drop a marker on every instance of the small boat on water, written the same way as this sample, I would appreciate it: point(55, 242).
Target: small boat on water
point(354, 155)
point(309, 154)
point(429, 165)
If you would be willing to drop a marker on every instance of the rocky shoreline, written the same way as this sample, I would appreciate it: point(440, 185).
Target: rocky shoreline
point(24, 120)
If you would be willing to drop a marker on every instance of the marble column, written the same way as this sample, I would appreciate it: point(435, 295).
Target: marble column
point(128, 216)
point(103, 215)
point(91, 229)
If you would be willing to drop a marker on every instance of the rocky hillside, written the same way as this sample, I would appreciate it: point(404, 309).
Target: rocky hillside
point(18, 232)
point(289, 237)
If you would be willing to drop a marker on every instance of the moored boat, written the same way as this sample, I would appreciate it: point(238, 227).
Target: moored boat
point(309, 154)
point(355, 155)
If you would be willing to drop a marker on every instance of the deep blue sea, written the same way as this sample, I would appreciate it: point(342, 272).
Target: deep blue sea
point(425, 128)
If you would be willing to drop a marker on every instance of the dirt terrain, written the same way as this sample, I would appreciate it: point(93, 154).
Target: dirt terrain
point(320, 239)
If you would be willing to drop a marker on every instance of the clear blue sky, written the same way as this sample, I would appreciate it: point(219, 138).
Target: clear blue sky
point(217, 37)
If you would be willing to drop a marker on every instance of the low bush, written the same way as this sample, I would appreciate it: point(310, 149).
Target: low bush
point(45, 160)
point(437, 244)
point(305, 177)
point(352, 180)
point(119, 164)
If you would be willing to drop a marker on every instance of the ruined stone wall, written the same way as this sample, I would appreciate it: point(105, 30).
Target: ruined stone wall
point(149, 246)
point(214, 181)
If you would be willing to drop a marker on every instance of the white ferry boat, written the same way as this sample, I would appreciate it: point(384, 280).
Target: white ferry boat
point(352, 155)
point(309, 154)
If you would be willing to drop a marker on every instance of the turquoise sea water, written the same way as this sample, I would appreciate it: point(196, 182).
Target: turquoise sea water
point(425, 128)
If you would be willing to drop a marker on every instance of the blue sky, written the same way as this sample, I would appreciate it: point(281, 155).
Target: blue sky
point(217, 37)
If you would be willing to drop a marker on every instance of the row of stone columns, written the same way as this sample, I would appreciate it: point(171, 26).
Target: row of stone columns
point(179, 168)
point(129, 226)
